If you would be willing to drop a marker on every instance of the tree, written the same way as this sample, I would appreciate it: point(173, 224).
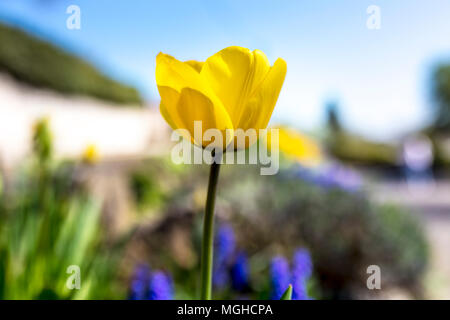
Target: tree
point(441, 95)
point(333, 121)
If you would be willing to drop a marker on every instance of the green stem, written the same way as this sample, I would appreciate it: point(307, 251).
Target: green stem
point(208, 234)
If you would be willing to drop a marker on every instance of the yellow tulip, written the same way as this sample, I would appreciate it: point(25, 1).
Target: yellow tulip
point(297, 146)
point(233, 89)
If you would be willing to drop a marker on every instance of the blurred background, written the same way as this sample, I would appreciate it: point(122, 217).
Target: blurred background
point(87, 178)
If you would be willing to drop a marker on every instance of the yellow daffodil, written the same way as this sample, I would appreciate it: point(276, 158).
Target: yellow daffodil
point(91, 154)
point(297, 146)
point(233, 89)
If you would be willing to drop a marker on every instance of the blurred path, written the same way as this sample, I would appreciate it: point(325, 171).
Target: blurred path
point(433, 207)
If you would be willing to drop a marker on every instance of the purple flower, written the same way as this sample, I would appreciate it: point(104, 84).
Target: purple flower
point(160, 286)
point(301, 271)
point(280, 277)
point(305, 174)
point(343, 177)
point(302, 262)
point(299, 287)
point(225, 245)
point(139, 281)
point(220, 276)
point(332, 176)
point(240, 272)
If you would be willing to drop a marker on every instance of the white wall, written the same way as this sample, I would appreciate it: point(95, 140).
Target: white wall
point(76, 122)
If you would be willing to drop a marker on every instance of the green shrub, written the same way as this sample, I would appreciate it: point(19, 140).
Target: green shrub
point(42, 64)
point(353, 149)
point(343, 230)
point(441, 95)
point(147, 193)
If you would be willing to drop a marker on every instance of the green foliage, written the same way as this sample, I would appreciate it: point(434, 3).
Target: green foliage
point(271, 215)
point(146, 191)
point(350, 148)
point(440, 148)
point(48, 224)
point(400, 238)
point(287, 295)
point(441, 92)
point(333, 120)
point(42, 140)
point(42, 64)
point(344, 231)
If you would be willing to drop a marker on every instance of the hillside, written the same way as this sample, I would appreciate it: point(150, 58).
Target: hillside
point(42, 64)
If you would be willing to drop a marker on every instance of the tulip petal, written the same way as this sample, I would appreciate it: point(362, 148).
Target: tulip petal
point(233, 74)
point(198, 102)
point(195, 106)
point(167, 107)
point(261, 67)
point(197, 65)
point(263, 101)
point(175, 74)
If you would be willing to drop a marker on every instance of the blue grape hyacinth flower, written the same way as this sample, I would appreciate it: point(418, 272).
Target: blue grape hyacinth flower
point(280, 277)
point(240, 273)
point(160, 286)
point(225, 245)
point(299, 291)
point(301, 271)
point(139, 282)
point(302, 262)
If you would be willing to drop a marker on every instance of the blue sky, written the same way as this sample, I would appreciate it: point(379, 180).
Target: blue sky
point(379, 77)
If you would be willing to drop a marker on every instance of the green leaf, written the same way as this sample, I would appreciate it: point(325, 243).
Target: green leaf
point(287, 295)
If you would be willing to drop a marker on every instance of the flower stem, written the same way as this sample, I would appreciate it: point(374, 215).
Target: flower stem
point(208, 234)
